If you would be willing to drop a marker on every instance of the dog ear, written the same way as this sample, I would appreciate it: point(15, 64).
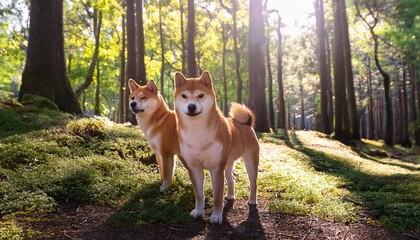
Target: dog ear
point(151, 86)
point(179, 79)
point(132, 85)
point(206, 79)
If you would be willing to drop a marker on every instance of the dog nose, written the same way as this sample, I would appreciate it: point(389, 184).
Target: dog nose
point(133, 104)
point(191, 107)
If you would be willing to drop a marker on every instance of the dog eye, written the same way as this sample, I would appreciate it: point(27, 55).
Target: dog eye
point(200, 95)
point(184, 96)
point(132, 98)
point(143, 97)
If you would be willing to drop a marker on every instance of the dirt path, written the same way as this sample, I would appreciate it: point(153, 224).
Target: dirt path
point(240, 222)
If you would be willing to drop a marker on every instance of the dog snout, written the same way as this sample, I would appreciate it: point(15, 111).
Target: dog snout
point(133, 104)
point(192, 107)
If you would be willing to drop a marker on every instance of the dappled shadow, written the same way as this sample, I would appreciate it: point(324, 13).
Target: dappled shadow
point(381, 195)
point(395, 162)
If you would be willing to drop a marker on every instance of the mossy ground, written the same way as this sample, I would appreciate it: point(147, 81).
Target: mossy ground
point(48, 158)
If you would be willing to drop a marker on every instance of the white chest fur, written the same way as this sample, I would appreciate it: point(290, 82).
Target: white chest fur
point(199, 147)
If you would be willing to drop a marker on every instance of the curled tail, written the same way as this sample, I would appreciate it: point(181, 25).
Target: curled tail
point(242, 114)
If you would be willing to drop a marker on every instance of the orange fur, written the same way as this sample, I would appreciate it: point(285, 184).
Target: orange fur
point(158, 123)
point(210, 141)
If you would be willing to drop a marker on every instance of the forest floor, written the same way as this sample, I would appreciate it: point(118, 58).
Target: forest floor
point(240, 222)
point(66, 178)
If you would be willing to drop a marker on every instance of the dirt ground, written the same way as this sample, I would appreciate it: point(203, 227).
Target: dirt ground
point(240, 222)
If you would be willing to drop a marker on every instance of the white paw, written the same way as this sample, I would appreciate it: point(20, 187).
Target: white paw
point(197, 213)
point(216, 218)
point(163, 188)
point(230, 197)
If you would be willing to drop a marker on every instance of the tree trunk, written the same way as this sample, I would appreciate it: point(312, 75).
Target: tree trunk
point(256, 99)
point(131, 71)
point(225, 102)
point(192, 64)
point(323, 67)
point(351, 97)
point(183, 50)
point(96, 110)
point(122, 96)
point(389, 121)
point(162, 48)
point(371, 129)
point(270, 80)
point(236, 50)
point(45, 68)
point(141, 66)
point(341, 111)
point(302, 105)
point(405, 138)
point(97, 22)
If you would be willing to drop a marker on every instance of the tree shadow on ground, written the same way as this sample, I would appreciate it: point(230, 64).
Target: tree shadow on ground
point(391, 198)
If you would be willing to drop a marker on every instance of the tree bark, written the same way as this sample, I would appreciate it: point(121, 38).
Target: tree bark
point(371, 123)
point(323, 67)
point(45, 68)
point(131, 71)
point(351, 97)
point(192, 64)
point(141, 67)
point(162, 48)
point(256, 66)
point(122, 97)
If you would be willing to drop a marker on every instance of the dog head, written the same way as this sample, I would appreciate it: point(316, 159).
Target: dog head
point(194, 96)
point(143, 99)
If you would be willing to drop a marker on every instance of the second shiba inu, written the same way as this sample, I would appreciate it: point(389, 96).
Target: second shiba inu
point(210, 141)
point(158, 124)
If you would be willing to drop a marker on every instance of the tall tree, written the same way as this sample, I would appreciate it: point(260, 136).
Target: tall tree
point(192, 64)
point(234, 11)
point(122, 84)
point(96, 16)
point(256, 65)
point(141, 67)
point(342, 131)
point(131, 70)
point(323, 67)
point(371, 20)
point(45, 69)
point(351, 97)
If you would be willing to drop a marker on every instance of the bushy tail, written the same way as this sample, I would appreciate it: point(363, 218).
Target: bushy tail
point(242, 114)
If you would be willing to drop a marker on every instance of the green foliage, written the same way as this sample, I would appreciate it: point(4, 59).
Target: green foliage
point(9, 231)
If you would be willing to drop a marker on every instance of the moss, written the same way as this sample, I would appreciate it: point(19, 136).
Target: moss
point(39, 102)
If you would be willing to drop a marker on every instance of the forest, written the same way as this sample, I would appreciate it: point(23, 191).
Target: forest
point(354, 71)
point(334, 86)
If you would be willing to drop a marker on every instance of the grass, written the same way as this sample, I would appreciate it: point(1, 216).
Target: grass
point(48, 158)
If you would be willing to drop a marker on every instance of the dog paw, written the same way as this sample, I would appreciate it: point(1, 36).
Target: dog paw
point(216, 218)
point(197, 213)
point(163, 188)
point(230, 197)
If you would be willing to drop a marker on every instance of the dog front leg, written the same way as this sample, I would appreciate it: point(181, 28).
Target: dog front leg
point(217, 180)
point(167, 171)
point(197, 179)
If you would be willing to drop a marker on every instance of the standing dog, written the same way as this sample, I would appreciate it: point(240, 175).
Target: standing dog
point(210, 141)
point(158, 124)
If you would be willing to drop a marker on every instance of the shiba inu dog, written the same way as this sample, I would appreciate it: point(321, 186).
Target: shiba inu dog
point(158, 124)
point(210, 141)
